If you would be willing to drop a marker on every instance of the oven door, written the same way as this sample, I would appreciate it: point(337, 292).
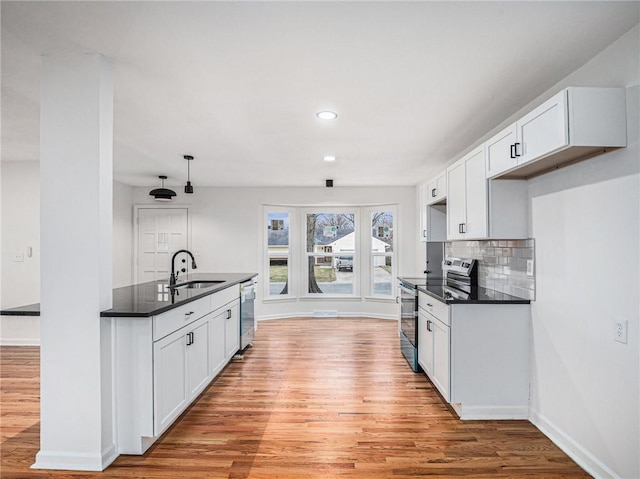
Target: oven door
point(409, 313)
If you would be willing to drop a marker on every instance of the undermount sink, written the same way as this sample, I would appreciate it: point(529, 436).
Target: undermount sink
point(197, 284)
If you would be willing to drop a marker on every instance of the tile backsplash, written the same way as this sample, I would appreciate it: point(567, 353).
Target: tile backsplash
point(502, 264)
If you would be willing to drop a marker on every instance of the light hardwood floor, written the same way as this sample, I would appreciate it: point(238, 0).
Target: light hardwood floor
point(314, 398)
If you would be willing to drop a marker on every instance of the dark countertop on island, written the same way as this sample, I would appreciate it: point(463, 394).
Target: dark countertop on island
point(439, 290)
point(152, 298)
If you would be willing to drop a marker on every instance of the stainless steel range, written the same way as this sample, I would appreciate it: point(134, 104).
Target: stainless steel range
point(409, 319)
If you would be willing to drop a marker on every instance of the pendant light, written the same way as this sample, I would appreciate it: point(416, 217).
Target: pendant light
point(162, 194)
point(188, 188)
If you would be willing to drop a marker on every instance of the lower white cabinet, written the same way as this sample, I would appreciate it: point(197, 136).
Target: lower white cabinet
point(181, 370)
point(232, 331)
point(433, 342)
point(477, 356)
point(162, 364)
point(425, 342)
point(441, 354)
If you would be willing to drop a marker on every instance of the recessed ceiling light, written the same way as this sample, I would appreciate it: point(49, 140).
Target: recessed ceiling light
point(329, 158)
point(327, 115)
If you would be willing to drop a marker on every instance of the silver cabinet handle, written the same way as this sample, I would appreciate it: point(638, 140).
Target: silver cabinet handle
point(187, 315)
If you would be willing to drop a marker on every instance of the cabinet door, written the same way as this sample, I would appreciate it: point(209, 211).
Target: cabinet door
point(198, 361)
point(425, 342)
point(232, 330)
point(424, 200)
point(456, 200)
point(476, 221)
point(543, 130)
point(218, 352)
point(500, 152)
point(441, 358)
point(437, 189)
point(170, 391)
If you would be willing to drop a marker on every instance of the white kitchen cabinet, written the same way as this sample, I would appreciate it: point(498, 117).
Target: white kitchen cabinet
point(477, 356)
point(433, 195)
point(467, 198)
point(481, 209)
point(181, 370)
point(441, 352)
point(573, 124)
point(500, 151)
point(232, 330)
point(163, 362)
point(433, 341)
point(437, 189)
point(425, 342)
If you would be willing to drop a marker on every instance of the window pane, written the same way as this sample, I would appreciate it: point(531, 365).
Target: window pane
point(331, 277)
point(382, 275)
point(278, 276)
point(330, 232)
point(278, 252)
point(278, 230)
point(382, 232)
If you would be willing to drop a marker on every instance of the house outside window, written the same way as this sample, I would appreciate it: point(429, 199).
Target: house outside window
point(278, 253)
point(330, 238)
point(382, 259)
point(323, 253)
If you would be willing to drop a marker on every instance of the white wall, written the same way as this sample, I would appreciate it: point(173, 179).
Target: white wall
point(585, 220)
point(20, 222)
point(122, 235)
point(227, 233)
point(21, 229)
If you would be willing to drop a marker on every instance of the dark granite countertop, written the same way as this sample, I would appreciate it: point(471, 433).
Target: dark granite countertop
point(438, 289)
point(155, 297)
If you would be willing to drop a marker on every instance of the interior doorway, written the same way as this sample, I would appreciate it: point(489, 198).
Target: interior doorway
point(160, 232)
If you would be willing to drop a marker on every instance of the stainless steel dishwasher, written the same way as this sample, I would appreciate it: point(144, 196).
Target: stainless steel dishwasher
point(247, 313)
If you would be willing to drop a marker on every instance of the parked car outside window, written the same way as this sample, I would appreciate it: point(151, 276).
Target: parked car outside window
point(345, 263)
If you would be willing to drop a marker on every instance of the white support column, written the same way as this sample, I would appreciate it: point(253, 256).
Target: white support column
point(76, 149)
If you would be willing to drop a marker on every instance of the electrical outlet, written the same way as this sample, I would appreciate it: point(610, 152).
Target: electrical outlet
point(529, 267)
point(620, 332)
point(18, 258)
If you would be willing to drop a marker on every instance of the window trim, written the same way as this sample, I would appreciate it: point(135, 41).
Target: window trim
point(291, 294)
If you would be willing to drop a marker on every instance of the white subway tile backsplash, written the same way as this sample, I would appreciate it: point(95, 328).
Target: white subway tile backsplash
point(502, 264)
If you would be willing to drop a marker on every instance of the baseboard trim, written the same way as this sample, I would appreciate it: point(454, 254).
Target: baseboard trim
point(75, 461)
point(469, 413)
point(20, 342)
point(587, 461)
point(309, 315)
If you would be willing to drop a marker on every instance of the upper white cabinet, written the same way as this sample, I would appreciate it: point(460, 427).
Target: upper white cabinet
point(437, 189)
point(478, 208)
point(467, 199)
point(433, 210)
point(574, 124)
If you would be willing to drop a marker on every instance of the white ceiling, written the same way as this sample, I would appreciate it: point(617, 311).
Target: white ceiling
point(237, 84)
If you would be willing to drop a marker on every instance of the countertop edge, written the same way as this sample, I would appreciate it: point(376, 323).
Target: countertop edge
point(516, 300)
point(33, 310)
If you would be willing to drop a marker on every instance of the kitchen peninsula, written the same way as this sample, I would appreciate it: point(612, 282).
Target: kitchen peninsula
point(168, 344)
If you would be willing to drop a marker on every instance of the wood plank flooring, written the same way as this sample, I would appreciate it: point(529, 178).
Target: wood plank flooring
point(314, 398)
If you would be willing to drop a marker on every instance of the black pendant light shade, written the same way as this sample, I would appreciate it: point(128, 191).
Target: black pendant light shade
point(162, 194)
point(188, 188)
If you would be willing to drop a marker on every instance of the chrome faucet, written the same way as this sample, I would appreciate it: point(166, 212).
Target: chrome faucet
point(174, 275)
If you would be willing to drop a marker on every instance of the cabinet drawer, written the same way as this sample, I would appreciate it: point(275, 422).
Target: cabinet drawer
point(219, 299)
point(171, 321)
point(437, 308)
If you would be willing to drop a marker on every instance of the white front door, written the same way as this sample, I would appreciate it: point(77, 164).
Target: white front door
point(161, 232)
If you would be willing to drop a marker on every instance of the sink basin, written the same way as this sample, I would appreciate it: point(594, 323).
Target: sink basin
point(197, 284)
